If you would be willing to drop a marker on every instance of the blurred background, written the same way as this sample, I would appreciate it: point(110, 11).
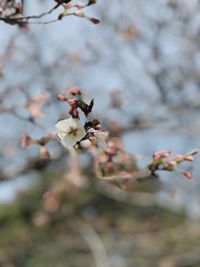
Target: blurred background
point(146, 56)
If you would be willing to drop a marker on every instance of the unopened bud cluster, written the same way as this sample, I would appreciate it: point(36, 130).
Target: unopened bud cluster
point(76, 9)
point(115, 159)
point(26, 140)
point(163, 160)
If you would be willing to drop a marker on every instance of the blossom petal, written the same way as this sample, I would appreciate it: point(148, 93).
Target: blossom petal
point(80, 133)
point(65, 127)
point(68, 141)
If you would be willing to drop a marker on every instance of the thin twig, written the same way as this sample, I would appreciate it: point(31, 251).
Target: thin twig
point(32, 16)
point(95, 244)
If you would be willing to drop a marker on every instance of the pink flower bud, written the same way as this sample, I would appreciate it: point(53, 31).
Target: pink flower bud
point(161, 154)
point(44, 153)
point(61, 98)
point(187, 174)
point(97, 127)
point(188, 158)
point(73, 90)
point(73, 103)
point(25, 140)
point(74, 113)
point(79, 5)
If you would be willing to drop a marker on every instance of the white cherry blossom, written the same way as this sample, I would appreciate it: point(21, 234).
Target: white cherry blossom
point(70, 131)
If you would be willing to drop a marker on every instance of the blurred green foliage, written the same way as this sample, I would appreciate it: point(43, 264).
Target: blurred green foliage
point(33, 236)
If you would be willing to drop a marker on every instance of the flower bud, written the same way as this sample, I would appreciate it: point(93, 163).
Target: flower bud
point(74, 113)
point(25, 140)
point(73, 103)
point(61, 98)
point(97, 127)
point(73, 90)
point(79, 5)
point(188, 158)
point(44, 153)
point(161, 154)
point(94, 20)
point(187, 174)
